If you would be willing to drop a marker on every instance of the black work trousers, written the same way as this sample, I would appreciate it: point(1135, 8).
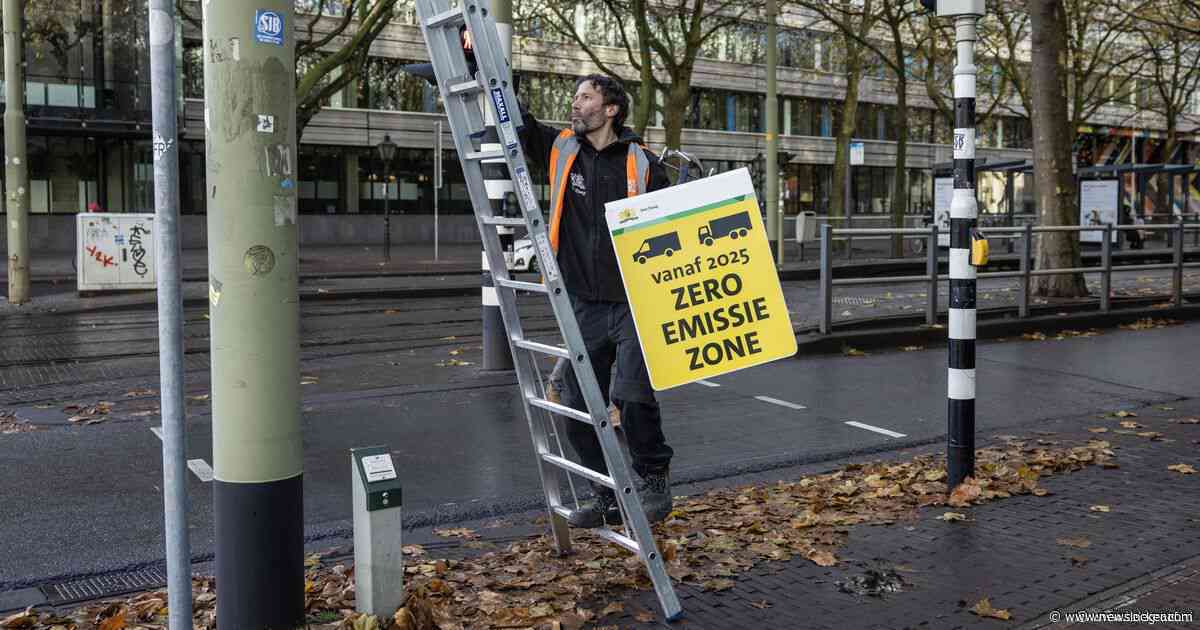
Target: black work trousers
point(611, 341)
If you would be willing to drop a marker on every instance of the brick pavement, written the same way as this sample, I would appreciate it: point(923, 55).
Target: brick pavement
point(1007, 551)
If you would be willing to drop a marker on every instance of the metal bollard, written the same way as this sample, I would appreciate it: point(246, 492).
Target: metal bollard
point(826, 278)
point(378, 559)
point(1178, 271)
point(1106, 265)
point(931, 269)
point(1026, 266)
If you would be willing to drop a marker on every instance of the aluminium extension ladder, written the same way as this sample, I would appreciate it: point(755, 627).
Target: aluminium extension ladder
point(464, 96)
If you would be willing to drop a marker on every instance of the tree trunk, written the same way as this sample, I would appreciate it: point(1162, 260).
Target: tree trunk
point(841, 161)
point(900, 180)
point(647, 92)
point(1052, 157)
point(676, 108)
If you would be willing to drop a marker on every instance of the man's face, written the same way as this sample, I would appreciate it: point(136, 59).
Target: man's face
point(588, 111)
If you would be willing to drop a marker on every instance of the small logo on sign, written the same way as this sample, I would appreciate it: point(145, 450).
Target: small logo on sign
point(268, 27)
point(266, 123)
point(960, 140)
point(501, 106)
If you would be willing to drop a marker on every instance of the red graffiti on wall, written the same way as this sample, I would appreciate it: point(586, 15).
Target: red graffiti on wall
point(100, 257)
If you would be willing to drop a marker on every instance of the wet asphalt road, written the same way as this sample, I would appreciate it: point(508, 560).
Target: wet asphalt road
point(85, 499)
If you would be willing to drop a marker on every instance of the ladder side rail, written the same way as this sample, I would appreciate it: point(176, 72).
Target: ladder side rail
point(480, 23)
point(457, 109)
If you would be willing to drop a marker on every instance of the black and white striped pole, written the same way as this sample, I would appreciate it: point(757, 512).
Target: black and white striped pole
point(497, 355)
point(960, 446)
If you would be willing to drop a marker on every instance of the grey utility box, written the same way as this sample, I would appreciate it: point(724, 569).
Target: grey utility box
point(806, 227)
point(378, 559)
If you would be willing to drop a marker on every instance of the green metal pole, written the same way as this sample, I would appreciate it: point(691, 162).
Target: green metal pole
point(771, 188)
point(16, 170)
point(250, 125)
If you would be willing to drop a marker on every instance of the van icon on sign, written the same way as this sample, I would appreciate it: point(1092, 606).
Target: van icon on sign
point(661, 245)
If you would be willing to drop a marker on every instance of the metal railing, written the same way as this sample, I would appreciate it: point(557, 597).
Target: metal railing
point(1024, 274)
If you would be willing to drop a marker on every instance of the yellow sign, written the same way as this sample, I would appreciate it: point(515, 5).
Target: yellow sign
point(700, 279)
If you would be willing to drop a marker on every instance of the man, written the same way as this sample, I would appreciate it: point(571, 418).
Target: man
point(599, 160)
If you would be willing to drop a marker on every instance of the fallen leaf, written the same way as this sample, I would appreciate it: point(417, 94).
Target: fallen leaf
point(1182, 469)
point(1100, 508)
point(911, 348)
point(1185, 420)
point(1079, 543)
point(1130, 424)
point(1078, 560)
point(457, 532)
point(718, 585)
point(984, 609)
point(964, 493)
point(25, 619)
point(366, 622)
point(1125, 414)
point(644, 616)
point(854, 352)
point(822, 558)
point(614, 608)
point(952, 516)
point(1040, 492)
point(115, 622)
point(1098, 430)
point(761, 605)
point(309, 380)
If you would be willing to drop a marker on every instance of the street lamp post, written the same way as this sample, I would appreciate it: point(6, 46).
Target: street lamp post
point(387, 151)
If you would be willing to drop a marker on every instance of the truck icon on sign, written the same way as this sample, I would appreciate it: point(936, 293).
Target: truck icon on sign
point(661, 245)
point(734, 226)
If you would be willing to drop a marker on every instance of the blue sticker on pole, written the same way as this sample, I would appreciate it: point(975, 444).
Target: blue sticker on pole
point(268, 27)
point(503, 119)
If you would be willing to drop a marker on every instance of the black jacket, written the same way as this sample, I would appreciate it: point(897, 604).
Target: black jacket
point(585, 249)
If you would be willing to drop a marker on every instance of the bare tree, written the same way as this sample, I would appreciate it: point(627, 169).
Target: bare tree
point(1052, 150)
point(896, 19)
point(935, 61)
point(854, 72)
point(1172, 73)
point(331, 55)
point(661, 40)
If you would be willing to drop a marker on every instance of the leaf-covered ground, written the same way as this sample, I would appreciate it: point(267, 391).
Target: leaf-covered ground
point(709, 540)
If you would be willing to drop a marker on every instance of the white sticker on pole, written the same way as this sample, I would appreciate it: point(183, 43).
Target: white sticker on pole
point(525, 188)
point(546, 254)
point(964, 144)
point(507, 132)
point(378, 467)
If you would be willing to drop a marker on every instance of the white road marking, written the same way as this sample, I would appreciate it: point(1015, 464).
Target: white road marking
point(781, 403)
point(875, 429)
point(708, 383)
point(202, 469)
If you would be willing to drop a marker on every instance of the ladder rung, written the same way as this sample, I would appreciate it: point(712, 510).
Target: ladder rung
point(467, 87)
point(543, 348)
point(509, 221)
point(604, 532)
point(561, 410)
point(582, 471)
point(620, 539)
point(453, 16)
point(486, 155)
point(535, 287)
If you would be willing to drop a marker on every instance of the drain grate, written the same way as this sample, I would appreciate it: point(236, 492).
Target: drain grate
point(103, 586)
point(853, 300)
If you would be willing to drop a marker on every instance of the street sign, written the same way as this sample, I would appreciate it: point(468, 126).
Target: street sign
point(700, 279)
point(1098, 204)
point(943, 195)
point(858, 153)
